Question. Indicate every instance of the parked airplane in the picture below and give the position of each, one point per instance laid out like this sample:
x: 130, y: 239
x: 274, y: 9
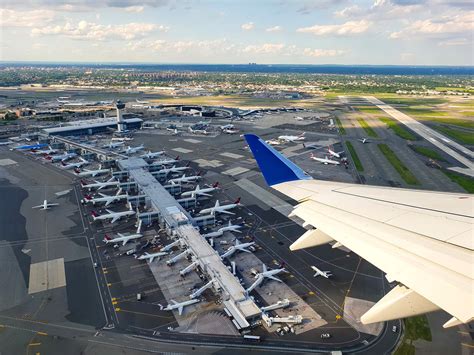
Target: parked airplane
x: 185, y: 179
x: 228, y: 228
x: 198, y: 131
x: 74, y: 165
x: 201, y: 192
x: 45, y: 205
x: 179, y: 305
x: 434, y: 271
x: 167, y: 161
x: 221, y: 209
x: 31, y: 147
x: 265, y: 274
x: 132, y: 150
x: 152, y: 155
x: 227, y: 126
x: 106, y: 198
x: 326, y: 274
x: 363, y: 140
x: 324, y: 160
x: 112, y: 216
x: 230, y: 131
x: 124, y: 239
x: 100, y: 185
x: 6, y: 143
x: 335, y: 154
x: 113, y: 145
x: 292, y: 139
x: 238, y: 246
x: 48, y: 151
x: 273, y: 142
x: 61, y: 157
x: 173, y: 169
x: 151, y: 256
x: 92, y: 173
x: 311, y: 146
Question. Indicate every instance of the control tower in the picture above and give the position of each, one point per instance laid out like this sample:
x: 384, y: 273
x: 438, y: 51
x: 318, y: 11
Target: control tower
x: 120, y: 122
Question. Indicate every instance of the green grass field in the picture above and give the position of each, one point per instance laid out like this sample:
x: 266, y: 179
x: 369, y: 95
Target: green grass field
x: 415, y: 328
x: 427, y: 152
x: 369, y: 109
x: 370, y: 132
x: 342, y: 130
x: 458, y: 135
x: 404, y: 172
x: 398, y: 129
x: 466, y: 182
x: 355, y: 157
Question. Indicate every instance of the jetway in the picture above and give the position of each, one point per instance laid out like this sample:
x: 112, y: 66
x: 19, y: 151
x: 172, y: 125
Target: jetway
x: 280, y: 304
x: 178, y: 257
x: 200, y: 290
x: 189, y: 268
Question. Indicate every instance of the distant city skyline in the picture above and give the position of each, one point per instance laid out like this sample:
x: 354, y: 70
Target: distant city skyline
x: 377, y: 32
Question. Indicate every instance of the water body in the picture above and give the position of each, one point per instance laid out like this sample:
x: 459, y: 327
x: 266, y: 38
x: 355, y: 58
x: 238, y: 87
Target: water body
x: 271, y: 68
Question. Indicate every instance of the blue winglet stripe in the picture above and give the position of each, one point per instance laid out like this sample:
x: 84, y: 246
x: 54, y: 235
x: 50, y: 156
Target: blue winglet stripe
x: 274, y: 166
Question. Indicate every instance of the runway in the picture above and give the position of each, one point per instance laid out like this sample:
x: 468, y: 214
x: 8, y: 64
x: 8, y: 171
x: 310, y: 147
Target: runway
x: 429, y: 134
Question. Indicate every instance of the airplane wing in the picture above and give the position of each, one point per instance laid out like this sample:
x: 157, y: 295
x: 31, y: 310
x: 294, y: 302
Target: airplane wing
x: 39, y: 206
x: 125, y: 241
x: 180, y: 310
x: 274, y: 278
x: 114, y: 219
x: 226, y: 212
x: 202, y: 194
x: 422, y: 239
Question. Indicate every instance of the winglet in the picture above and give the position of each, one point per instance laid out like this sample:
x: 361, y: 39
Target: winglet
x: 274, y: 166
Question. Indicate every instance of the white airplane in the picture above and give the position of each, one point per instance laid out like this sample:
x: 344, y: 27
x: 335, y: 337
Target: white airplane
x: 335, y: 154
x: 99, y: 185
x: 198, y: 131
x: 6, y: 143
x: 45, y: 205
x: 151, y: 256
x: 124, y: 239
x: 106, y: 198
x: 74, y: 165
x: 113, y: 145
x: 92, y: 173
x: 230, y: 131
x: 292, y: 139
x: 311, y: 146
x: 173, y: 169
x: 421, y: 239
x: 273, y: 142
x: 142, y: 101
x: 229, y: 228
x: 167, y: 161
x: 121, y: 139
x: 131, y: 150
x: 220, y: 209
x: 319, y: 272
x: 43, y: 151
x: 299, y: 118
x: 324, y: 160
x: 185, y: 179
x: 265, y: 274
x: 112, y: 216
x: 227, y: 126
x: 363, y: 140
x: 201, y: 192
x: 178, y: 305
x: 238, y: 246
x: 61, y: 157
x: 152, y: 155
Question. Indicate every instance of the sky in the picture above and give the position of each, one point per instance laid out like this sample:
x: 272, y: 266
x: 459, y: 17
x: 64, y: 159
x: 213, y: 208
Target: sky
x: 374, y: 32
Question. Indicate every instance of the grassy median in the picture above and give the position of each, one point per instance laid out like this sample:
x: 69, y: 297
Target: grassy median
x: 355, y: 157
x: 427, y: 152
x: 405, y: 174
x: 466, y: 182
x: 415, y: 328
x: 342, y: 130
x: 398, y: 129
x: 370, y: 132
x: 463, y: 137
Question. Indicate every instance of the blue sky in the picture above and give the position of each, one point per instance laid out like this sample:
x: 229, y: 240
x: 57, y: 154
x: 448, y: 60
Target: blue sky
x: 419, y: 32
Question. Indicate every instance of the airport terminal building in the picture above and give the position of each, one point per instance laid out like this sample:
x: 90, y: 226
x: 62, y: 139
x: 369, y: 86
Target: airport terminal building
x: 94, y: 126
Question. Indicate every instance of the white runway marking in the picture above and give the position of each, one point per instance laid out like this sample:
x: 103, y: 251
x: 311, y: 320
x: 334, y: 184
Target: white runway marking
x: 235, y: 171
x: 182, y: 150
x: 231, y: 155
x: 191, y: 140
x: 47, y: 275
x: 5, y: 162
x: 211, y: 163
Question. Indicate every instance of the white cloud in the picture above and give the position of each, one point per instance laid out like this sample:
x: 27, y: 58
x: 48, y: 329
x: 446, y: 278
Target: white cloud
x: 136, y: 9
x: 266, y: 48
x: 407, y: 57
x: 273, y: 29
x: 308, y: 52
x: 454, y: 42
x: 438, y: 27
x: 348, y: 28
x: 12, y: 18
x: 248, y: 26
x: 206, y: 47
x: 93, y: 31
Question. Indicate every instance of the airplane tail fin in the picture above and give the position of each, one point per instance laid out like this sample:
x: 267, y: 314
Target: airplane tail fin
x: 94, y: 215
x: 274, y: 166
x: 83, y: 183
x: 216, y: 185
x: 237, y: 202
x: 107, y: 238
x: 177, y: 158
x: 77, y: 170
x: 88, y: 197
